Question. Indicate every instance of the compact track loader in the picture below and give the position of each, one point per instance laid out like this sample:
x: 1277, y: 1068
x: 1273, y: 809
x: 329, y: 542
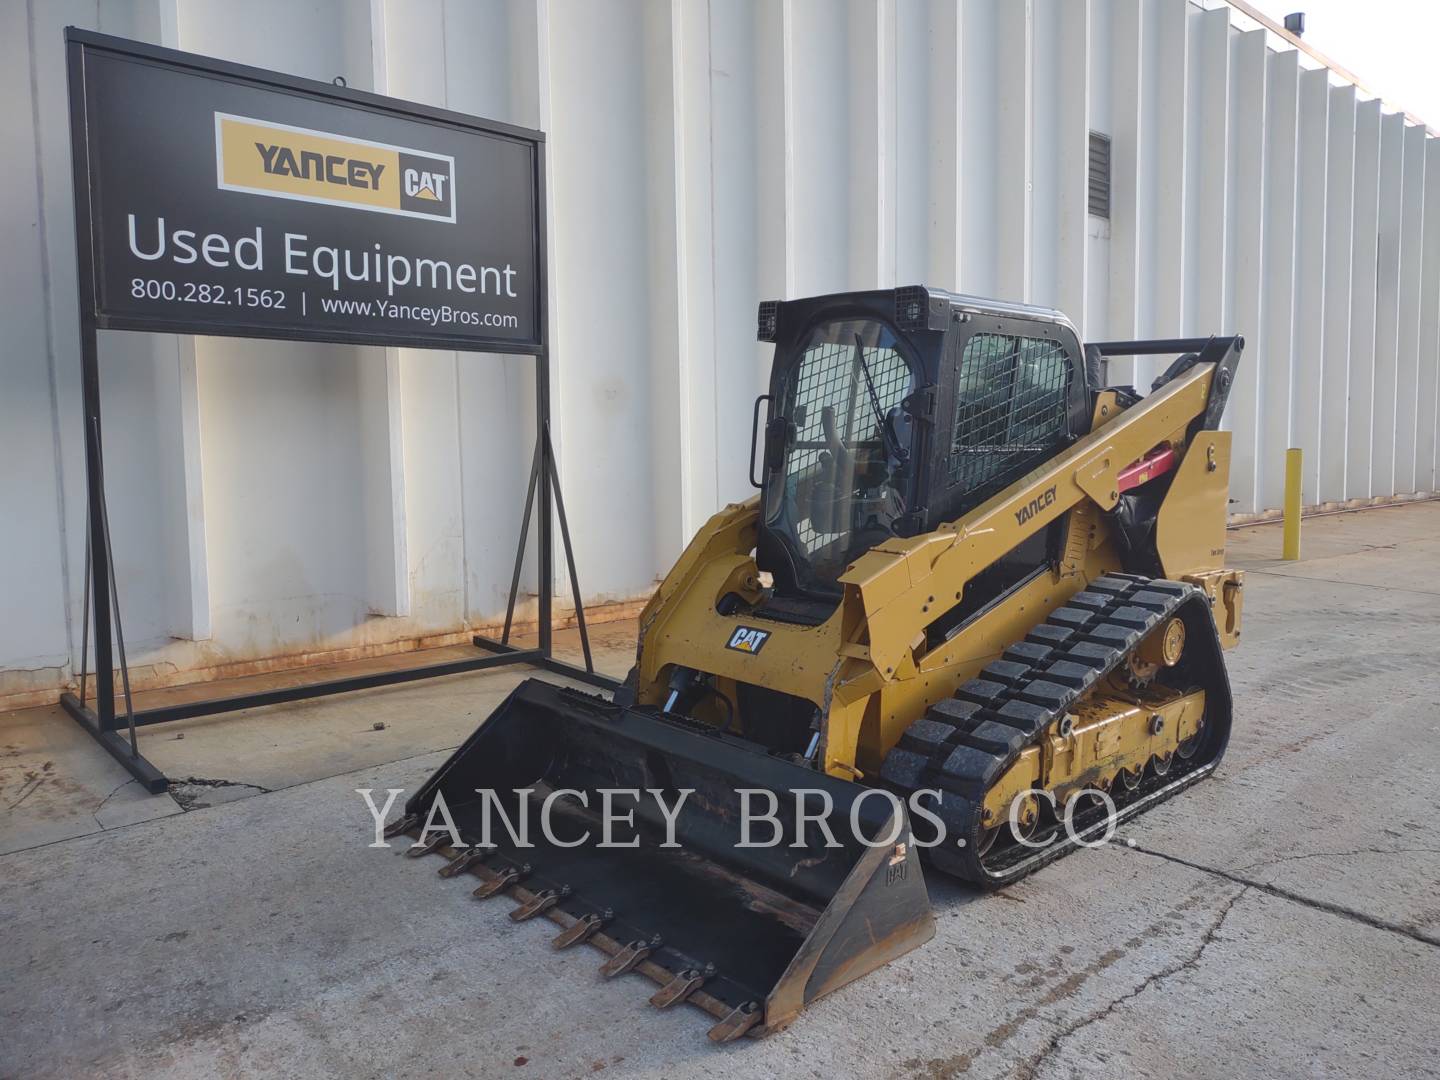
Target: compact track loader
x: 974, y: 617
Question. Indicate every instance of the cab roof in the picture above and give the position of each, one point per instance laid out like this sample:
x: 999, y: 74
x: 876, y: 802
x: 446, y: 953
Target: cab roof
x: 914, y: 307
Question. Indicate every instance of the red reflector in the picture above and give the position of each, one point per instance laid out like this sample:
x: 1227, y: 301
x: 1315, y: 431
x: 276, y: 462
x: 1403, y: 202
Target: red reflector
x: 1156, y: 463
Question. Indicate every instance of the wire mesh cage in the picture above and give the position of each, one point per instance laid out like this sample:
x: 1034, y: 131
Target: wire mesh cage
x: 1010, y: 407
x: 833, y: 375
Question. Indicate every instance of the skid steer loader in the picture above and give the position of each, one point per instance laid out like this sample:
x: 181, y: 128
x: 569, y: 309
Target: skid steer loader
x: 973, y: 618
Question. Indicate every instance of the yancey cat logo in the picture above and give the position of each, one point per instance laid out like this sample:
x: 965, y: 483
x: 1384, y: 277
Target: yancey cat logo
x: 284, y: 162
x: 747, y: 639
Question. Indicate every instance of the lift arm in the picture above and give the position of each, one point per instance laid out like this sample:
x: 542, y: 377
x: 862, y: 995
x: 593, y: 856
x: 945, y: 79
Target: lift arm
x: 905, y: 583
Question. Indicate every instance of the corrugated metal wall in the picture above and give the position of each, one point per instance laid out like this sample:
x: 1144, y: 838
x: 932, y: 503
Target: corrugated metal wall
x: 272, y: 499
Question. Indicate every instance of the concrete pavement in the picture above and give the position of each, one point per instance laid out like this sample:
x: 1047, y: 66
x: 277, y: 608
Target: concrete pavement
x: 1281, y: 919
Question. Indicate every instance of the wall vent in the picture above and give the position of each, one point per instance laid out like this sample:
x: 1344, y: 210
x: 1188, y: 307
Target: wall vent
x: 1099, y: 174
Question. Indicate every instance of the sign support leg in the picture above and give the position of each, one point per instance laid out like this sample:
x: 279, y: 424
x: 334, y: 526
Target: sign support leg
x: 569, y: 551
x: 535, y: 470
x: 547, y: 540
x: 101, y: 722
x: 545, y: 489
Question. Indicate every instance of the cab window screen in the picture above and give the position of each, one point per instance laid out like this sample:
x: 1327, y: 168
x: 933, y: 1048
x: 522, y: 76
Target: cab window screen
x: 1010, y: 409
x: 842, y: 482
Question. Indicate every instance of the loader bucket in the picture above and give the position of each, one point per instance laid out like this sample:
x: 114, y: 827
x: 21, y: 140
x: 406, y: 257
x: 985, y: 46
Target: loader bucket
x: 750, y: 934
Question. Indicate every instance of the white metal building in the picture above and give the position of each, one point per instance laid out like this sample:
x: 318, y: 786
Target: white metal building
x: 273, y: 501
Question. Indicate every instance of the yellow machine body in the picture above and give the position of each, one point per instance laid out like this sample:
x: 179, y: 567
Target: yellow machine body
x: 868, y: 667
x: 883, y: 642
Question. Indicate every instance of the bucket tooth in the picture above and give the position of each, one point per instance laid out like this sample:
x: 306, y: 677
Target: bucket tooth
x: 401, y: 825
x: 681, y: 987
x: 502, y: 881
x: 463, y: 862
x: 582, y: 929
x: 540, y: 903
x: 741, y: 1019
x: 435, y: 843
x: 626, y: 959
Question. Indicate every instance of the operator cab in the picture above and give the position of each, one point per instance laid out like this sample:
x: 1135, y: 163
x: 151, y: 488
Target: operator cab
x: 893, y: 411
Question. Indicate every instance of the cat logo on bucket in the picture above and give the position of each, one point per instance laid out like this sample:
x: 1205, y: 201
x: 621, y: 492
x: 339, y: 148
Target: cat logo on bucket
x: 284, y: 162
x: 747, y: 639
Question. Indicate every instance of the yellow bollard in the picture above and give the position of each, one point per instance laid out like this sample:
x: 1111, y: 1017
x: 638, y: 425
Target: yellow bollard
x: 1293, y: 468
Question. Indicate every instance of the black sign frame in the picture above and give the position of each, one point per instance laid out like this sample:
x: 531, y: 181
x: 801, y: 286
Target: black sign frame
x: 543, y: 496
x: 80, y: 43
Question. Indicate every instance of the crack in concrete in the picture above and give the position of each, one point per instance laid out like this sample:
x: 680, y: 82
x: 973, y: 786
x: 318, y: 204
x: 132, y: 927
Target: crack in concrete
x: 1030, y: 1069
x: 1372, y: 921
x: 1337, y: 581
x: 114, y: 791
x: 377, y: 779
x: 188, y: 802
x: 1042, y: 1008
x: 1337, y: 855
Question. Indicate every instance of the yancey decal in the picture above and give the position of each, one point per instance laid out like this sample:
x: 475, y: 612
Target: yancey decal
x: 1034, y: 506
x: 747, y: 639
x: 286, y: 162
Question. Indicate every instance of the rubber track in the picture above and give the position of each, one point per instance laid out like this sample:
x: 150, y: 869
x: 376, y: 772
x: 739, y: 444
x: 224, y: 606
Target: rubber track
x: 964, y: 744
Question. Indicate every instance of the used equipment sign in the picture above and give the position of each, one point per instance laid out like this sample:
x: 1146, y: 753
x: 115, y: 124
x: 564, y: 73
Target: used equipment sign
x: 229, y: 200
